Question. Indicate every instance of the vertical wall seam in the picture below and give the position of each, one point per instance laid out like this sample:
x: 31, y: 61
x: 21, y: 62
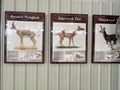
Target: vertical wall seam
x: 60, y: 6
x: 69, y: 76
x: 101, y: 4
x: 91, y: 4
x: 111, y: 12
x: 111, y: 8
x: 37, y: 5
x: 0, y: 43
x: 70, y: 6
x: 26, y: 4
x: 25, y: 77
x: 14, y: 64
x: 80, y: 78
x: 48, y: 45
x: 59, y: 65
x: 14, y: 77
x: 69, y: 64
x: 36, y: 77
x: 2, y: 9
x: 58, y: 78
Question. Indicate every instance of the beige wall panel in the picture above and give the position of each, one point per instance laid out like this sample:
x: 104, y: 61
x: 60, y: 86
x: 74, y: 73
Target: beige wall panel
x: 41, y: 80
x: 65, y: 6
x: 42, y: 69
x: 30, y: 77
x: 19, y: 77
x: 85, y: 77
x: 96, y: 7
x: 118, y: 77
x: 64, y: 77
x: 74, y: 77
x: 8, y: 77
x: 32, y: 5
x: 76, y: 6
x: 106, y: 8
x: 19, y: 3
x: 105, y: 77
x: 7, y: 69
x: 114, y: 77
x: 8, y: 5
x: 116, y: 8
x: 86, y: 7
x: 53, y: 68
x: 53, y: 77
x: 95, y: 77
x: 54, y: 6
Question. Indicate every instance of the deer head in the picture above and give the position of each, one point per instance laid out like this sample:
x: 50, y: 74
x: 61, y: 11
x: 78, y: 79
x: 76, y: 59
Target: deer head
x: 13, y: 26
x: 102, y: 29
x: 80, y: 28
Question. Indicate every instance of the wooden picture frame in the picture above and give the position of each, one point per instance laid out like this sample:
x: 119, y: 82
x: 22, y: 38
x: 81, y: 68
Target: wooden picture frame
x: 68, y: 38
x: 106, y: 48
x: 24, y: 37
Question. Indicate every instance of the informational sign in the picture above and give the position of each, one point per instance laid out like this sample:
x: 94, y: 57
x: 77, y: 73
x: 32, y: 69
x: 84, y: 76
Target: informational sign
x: 69, y: 38
x: 24, y: 37
x: 106, y: 45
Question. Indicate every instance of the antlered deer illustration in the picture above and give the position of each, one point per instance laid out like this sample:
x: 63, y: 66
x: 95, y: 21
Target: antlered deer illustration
x: 109, y: 38
x: 24, y: 33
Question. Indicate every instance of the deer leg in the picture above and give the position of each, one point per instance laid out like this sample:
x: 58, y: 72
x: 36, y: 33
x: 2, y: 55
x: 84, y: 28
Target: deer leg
x: 21, y: 41
x: 118, y: 54
x: 69, y: 42
x: 114, y: 41
x: 72, y: 41
x: 106, y: 42
x: 33, y: 40
x: 111, y: 45
x: 61, y: 40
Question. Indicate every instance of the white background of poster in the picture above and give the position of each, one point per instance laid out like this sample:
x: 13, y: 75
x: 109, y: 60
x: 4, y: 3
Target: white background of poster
x: 79, y: 39
x: 100, y: 42
x: 13, y: 38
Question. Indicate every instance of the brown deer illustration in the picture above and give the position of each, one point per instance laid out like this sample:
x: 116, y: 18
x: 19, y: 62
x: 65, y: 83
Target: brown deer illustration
x: 108, y: 38
x: 24, y: 33
x: 70, y: 36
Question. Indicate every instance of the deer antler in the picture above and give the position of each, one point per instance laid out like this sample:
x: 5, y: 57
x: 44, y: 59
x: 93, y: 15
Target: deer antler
x: 101, y: 26
x: 13, y: 26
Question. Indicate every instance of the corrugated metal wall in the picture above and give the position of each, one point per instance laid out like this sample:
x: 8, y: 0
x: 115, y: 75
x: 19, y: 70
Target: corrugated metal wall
x: 64, y: 76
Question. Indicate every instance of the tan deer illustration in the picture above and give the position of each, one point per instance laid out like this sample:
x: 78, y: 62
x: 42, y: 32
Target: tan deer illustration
x: 24, y: 33
x: 70, y: 36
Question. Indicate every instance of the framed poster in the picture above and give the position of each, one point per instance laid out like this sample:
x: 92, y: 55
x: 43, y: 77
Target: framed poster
x: 106, y: 44
x: 24, y: 37
x: 69, y: 38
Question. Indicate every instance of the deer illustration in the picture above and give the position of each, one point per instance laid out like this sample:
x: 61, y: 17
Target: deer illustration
x: 109, y: 38
x: 24, y: 33
x: 70, y: 36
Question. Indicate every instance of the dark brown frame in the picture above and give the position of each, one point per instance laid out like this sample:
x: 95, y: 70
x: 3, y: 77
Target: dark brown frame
x: 82, y: 18
x: 102, y: 20
x: 21, y: 16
